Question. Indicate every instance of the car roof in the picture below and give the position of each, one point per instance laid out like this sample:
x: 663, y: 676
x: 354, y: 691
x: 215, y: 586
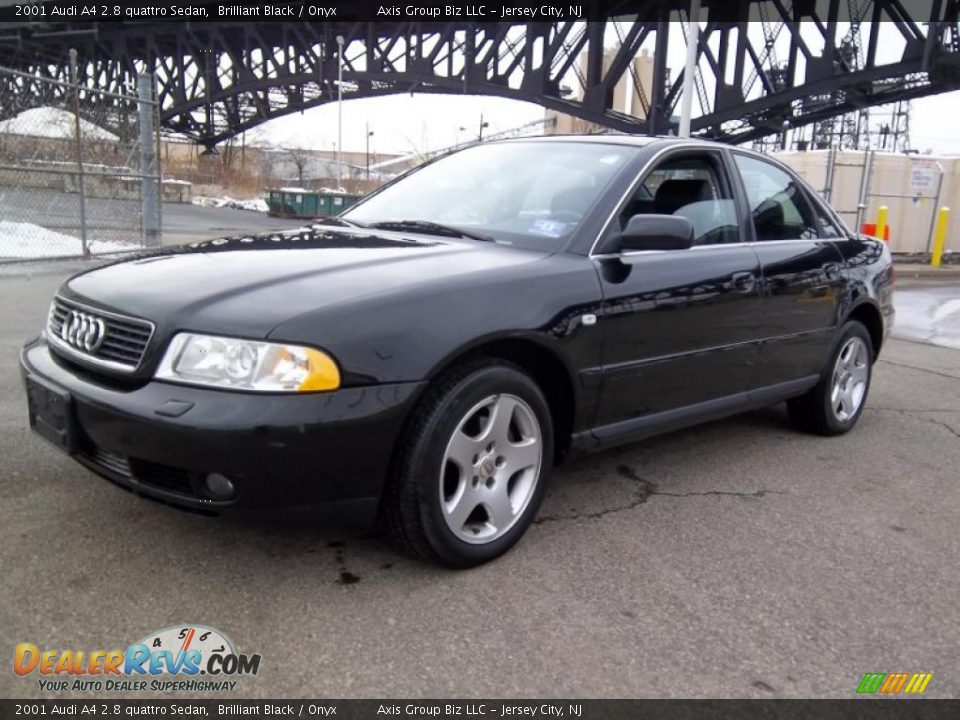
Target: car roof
x: 640, y: 141
x: 616, y: 139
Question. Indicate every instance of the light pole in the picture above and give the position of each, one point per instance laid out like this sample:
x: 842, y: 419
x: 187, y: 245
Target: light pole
x: 482, y: 126
x: 686, y: 100
x: 339, y: 112
x: 369, y: 135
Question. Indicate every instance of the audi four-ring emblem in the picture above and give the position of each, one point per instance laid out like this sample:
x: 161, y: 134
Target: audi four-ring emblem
x: 83, y: 331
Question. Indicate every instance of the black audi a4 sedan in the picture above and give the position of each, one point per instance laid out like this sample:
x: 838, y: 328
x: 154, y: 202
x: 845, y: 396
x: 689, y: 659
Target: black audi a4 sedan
x: 431, y: 354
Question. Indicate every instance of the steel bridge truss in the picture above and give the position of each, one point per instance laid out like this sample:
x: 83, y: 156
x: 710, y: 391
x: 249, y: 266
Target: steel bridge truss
x: 216, y: 80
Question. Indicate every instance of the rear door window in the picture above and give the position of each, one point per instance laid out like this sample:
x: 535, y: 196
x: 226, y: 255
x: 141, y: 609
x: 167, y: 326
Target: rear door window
x: 779, y: 208
x: 825, y: 224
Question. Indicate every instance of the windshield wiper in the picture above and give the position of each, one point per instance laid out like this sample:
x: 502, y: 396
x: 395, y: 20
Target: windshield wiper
x: 431, y: 228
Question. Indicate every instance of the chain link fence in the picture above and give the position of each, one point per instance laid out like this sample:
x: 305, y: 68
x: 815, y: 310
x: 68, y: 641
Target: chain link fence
x: 79, y: 169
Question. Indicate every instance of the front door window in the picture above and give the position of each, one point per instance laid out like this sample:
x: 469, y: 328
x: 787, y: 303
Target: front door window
x: 690, y: 187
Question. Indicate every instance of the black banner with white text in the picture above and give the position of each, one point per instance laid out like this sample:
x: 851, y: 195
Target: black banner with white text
x: 483, y: 709
x: 346, y: 11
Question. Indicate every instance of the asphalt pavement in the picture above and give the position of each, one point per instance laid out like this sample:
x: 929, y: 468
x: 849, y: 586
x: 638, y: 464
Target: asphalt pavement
x: 185, y: 223
x: 736, y: 559
x: 119, y: 220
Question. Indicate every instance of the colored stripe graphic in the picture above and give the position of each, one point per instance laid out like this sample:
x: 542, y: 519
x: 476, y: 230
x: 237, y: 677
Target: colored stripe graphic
x: 893, y: 683
x: 918, y: 682
x: 871, y: 682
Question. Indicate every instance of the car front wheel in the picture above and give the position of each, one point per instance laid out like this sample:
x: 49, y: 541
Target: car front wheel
x: 472, y: 466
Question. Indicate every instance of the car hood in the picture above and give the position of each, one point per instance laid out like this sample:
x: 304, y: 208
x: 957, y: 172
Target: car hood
x: 246, y: 286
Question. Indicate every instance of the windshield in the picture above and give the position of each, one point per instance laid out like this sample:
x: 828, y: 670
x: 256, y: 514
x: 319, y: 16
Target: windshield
x: 528, y: 194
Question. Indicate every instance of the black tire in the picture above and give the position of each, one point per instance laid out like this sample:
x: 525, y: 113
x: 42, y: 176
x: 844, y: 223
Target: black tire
x: 412, y: 502
x: 815, y: 411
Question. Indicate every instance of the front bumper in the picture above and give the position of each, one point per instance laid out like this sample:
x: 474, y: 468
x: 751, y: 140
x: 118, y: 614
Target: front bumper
x: 161, y: 440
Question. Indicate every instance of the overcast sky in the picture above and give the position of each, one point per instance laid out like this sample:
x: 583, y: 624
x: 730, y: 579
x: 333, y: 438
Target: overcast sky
x: 407, y: 123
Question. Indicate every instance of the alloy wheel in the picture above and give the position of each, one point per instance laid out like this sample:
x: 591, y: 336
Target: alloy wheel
x: 850, y: 375
x: 490, y: 468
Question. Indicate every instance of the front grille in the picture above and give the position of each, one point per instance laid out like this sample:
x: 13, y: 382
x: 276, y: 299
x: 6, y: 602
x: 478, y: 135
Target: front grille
x: 164, y: 477
x: 97, y: 336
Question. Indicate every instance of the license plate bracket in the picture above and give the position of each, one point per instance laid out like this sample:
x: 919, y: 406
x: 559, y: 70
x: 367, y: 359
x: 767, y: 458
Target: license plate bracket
x: 51, y: 414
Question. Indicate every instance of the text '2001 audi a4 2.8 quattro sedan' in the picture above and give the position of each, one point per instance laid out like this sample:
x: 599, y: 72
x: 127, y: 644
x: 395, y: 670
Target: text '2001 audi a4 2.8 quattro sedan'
x: 429, y: 355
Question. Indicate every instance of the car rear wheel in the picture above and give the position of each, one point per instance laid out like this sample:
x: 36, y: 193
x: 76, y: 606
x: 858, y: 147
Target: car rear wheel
x: 472, y: 466
x: 834, y: 405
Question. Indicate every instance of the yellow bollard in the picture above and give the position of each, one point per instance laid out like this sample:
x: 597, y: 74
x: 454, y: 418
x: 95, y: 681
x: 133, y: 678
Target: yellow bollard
x: 882, y: 222
x: 939, y: 237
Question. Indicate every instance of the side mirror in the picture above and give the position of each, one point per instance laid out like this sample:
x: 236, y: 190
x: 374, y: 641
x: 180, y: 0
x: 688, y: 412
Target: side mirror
x: 652, y: 232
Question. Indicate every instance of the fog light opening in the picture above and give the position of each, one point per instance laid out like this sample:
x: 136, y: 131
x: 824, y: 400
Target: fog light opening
x: 220, y: 487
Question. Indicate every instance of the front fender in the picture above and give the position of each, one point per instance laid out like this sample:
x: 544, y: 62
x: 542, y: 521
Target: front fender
x: 407, y: 336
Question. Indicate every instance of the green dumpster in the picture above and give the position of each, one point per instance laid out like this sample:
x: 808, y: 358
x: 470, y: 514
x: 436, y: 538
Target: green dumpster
x: 301, y: 203
x: 334, y: 203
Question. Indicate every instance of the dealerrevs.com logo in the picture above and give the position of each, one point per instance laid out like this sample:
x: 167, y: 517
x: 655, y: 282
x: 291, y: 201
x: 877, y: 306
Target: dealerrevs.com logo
x: 189, y: 658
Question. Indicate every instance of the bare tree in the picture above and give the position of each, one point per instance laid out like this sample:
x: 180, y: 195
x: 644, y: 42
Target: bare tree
x: 299, y: 157
x: 228, y: 154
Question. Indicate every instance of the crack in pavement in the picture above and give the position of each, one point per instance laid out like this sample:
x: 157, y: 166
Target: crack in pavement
x: 916, y: 414
x: 943, y: 424
x: 914, y: 410
x: 921, y: 369
x: 645, y: 489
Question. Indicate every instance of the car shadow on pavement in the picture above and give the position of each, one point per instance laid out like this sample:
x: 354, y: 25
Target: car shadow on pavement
x: 588, y: 487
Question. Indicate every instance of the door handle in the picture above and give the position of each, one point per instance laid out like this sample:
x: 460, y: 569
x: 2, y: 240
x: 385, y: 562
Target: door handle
x: 744, y: 282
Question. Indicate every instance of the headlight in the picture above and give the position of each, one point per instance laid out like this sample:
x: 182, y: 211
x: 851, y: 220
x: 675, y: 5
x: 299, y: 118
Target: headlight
x: 247, y: 365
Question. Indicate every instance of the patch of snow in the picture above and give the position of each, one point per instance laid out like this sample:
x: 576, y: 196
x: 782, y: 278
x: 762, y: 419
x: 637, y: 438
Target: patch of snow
x: 255, y: 204
x: 165, y: 181
x: 323, y: 190
x: 927, y: 315
x: 51, y: 122
x: 25, y: 240
x: 178, y: 137
x: 70, y: 165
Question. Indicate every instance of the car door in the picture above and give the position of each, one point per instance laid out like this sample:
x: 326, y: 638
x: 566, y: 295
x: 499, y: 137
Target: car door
x: 679, y: 326
x: 802, y: 273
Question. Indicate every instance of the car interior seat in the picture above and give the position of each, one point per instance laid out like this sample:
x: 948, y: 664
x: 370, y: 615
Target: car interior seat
x: 769, y: 221
x: 674, y: 194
